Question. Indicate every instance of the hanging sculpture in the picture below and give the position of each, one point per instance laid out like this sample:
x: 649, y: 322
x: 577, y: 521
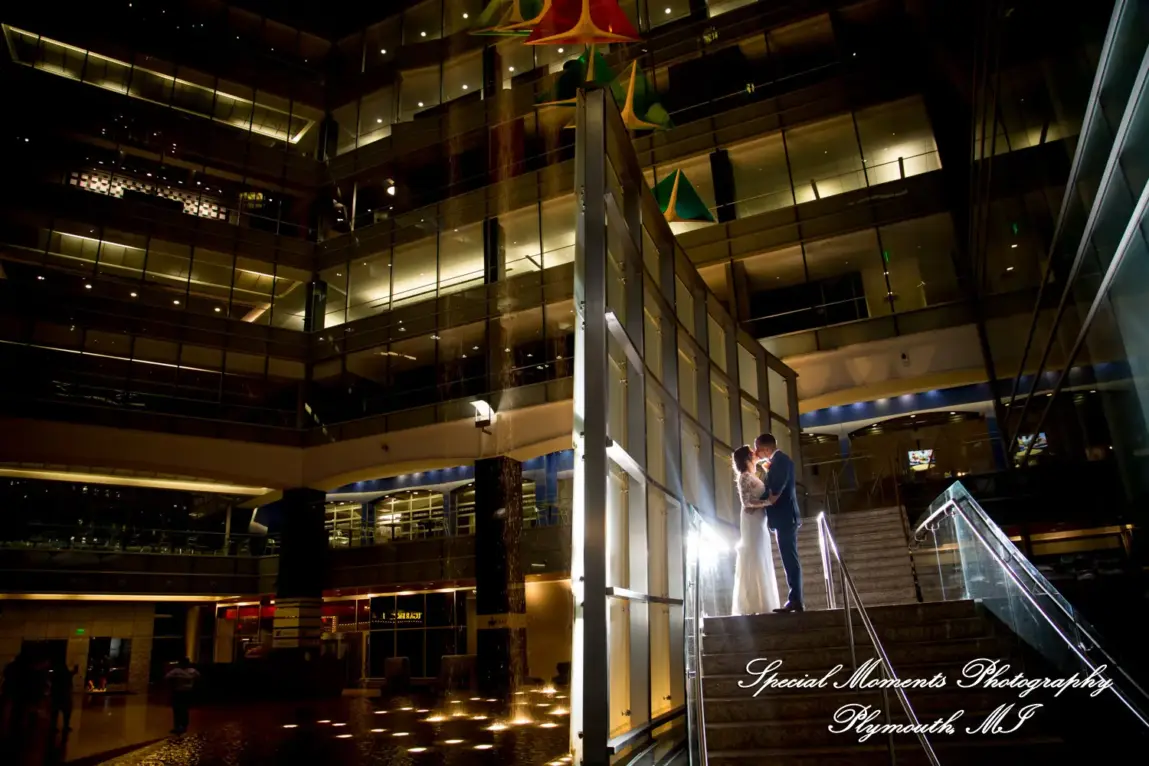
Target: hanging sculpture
x: 641, y: 109
x: 588, y: 69
x: 582, y: 22
x: 509, y: 18
x: 678, y: 200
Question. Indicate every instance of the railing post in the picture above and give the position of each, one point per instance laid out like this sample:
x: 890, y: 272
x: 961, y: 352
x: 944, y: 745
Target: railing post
x: 889, y: 721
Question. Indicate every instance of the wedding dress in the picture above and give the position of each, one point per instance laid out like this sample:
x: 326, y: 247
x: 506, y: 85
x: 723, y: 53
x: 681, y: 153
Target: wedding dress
x: 755, y: 588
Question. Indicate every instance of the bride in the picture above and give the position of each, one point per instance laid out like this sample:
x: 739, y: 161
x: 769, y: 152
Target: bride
x: 755, y: 589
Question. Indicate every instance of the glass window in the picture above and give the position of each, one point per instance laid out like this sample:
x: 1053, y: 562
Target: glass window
x: 692, y: 464
x: 650, y: 257
x: 720, y: 410
x: 747, y: 371
x: 761, y: 176
x: 684, y: 304
x: 617, y: 528
x: 515, y: 59
x: 687, y: 378
x: 459, y: 15
x: 779, y: 399
x: 382, y: 41
x: 751, y: 421
x: 376, y: 113
x: 897, y: 140
x: 655, y: 437
x: 211, y: 273
x: 717, y: 339
x: 824, y: 158
x: 423, y: 22
x: 252, y: 290
x: 725, y: 503
x: 289, y: 307
x: 418, y: 90
x: 519, y: 233
x: 414, y: 275
x: 74, y: 246
x: 335, y: 305
x: 652, y: 337
x: 801, y: 46
x: 346, y: 119
x: 919, y: 264
x: 369, y: 290
x: 460, y: 258
x: 781, y: 433
x: 168, y: 264
x: 463, y: 76
x: 122, y: 254
x: 558, y: 221
x: 851, y: 276
x: 665, y: 11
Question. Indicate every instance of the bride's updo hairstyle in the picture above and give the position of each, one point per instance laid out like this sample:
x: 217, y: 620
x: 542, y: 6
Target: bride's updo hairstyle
x: 743, y: 459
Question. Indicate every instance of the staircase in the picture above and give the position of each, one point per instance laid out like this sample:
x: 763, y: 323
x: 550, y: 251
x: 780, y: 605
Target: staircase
x: 872, y: 543
x: 790, y: 727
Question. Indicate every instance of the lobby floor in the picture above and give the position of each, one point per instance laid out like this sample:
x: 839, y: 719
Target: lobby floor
x: 133, y: 731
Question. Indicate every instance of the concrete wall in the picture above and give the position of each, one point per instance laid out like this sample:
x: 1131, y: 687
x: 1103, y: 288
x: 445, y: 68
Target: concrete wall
x: 54, y: 620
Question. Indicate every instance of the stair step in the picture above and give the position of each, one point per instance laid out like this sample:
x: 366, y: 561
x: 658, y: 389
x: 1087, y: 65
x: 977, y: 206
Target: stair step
x: 883, y: 615
x: 959, y: 628
x: 787, y: 704
x: 823, y: 658
x: 815, y: 732
x: 984, y: 752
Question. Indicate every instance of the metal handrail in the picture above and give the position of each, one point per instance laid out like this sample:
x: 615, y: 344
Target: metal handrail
x: 827, y: 546
x: 1038, y: 581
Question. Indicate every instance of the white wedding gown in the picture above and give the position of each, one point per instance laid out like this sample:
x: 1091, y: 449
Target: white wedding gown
x: 755, y: 588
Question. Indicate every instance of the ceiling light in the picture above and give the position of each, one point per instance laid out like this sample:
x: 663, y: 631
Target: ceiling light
x: 1013, y: 246
x: 422, y: 34
x: 510, y: 69
x: 383, y: 51
x: 40, y: 277
x: 464, y: 86
x: 483, y: 747
x: 560, y: 50
x: 379, y: 119
x: 465, y: 16
x: 1009, y: 268
x: 135, y: 295
x: 668, y: 11
x: 176, y: 301
x: 420, y: 103
x: 87, y: 287
x: 453, y: 741
x: 218, y: 309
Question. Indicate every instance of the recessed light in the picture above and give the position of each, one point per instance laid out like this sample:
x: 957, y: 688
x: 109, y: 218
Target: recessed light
x: 218, y: 309
x: 510, y: 69
x: 419, y: 749
x: 483, y: 747
x: 135, y: 295
x: 87, y: 287
x: 560, y: 50
x: 420, y: 103
x: 40, y: 277
x: 464, y: 86
x: 422, y: 34
x: 1009, y: 268
x: 465, y: 16
x: 667, y: 11
x: 453, y: 741
x: 1013, y: 246
x: 378, y: 119
x: 176, y: 301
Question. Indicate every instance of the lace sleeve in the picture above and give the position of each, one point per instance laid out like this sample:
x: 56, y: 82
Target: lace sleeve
x: 746, y: 493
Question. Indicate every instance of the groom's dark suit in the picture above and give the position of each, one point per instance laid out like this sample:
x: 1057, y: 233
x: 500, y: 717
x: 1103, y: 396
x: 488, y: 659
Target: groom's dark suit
x: 784, y: 518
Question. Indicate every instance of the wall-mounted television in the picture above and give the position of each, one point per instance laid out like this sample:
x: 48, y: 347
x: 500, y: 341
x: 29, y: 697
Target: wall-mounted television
x: 921, y: 459
x: 1039, y: 444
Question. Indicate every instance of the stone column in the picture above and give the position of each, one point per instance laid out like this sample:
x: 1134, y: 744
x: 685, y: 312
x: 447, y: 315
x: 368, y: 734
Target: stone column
x: 302, y: 568
x: 500, y: 608
x: 191, y: 632
x: 367, y: 524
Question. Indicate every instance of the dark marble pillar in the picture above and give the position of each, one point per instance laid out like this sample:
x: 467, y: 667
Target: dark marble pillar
x: 500, y: 595
x: 722, y: 171
x: 302, y: 569
x: 315, y: 309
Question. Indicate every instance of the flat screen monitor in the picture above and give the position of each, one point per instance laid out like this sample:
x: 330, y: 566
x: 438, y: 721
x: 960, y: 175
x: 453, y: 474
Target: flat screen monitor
x: 1039, y: 444
x: 921, y: 459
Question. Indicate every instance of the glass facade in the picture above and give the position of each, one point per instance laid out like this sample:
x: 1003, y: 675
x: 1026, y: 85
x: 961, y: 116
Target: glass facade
x: 656, y: 345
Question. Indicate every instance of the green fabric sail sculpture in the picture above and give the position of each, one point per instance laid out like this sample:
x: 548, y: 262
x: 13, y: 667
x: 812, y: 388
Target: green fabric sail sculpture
x: 507, y: 18
x: 678, y: 200
x: 590, y: 67
x: 641, y: 109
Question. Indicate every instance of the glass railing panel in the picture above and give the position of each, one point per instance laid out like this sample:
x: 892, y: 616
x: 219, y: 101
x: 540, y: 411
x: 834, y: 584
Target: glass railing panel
x: 961, y: 553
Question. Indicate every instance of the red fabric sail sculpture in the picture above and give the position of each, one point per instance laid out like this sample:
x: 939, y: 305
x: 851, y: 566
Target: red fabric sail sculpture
x: 582, y: 22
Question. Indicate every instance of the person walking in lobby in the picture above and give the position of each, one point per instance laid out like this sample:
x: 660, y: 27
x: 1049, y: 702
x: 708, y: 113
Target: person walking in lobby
x: 182, y: 680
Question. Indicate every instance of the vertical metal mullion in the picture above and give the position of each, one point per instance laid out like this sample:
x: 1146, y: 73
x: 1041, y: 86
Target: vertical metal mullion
x: 730, y: 334
x: 590, y: 691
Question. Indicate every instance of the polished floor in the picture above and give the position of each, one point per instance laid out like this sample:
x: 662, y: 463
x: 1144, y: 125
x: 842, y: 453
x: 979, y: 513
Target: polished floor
x: 531, y: 729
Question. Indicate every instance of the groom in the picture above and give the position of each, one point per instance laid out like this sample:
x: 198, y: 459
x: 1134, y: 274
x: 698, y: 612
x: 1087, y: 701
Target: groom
x: 782, y: 514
